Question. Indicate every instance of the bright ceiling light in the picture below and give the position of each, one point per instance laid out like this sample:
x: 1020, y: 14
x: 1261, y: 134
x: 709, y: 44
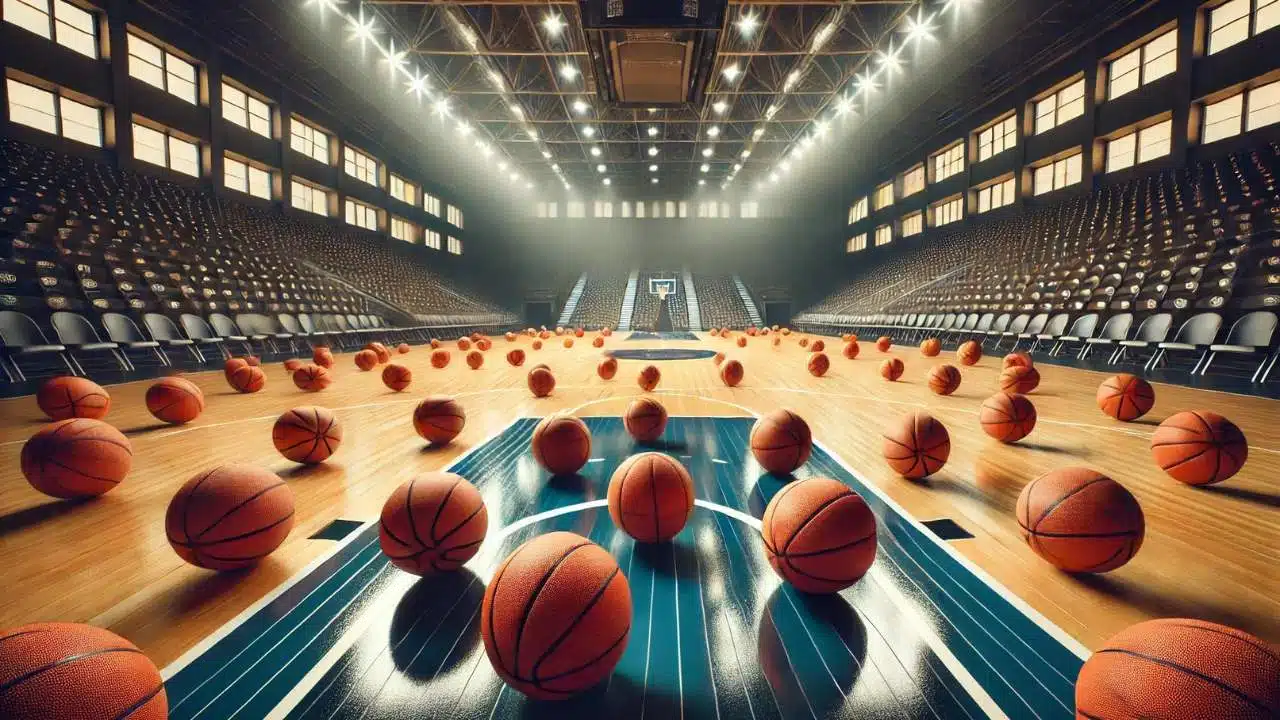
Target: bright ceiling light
x: 773, y: 177
x: 702, y: 181
x: 442, y: 107
x: 580, y: 107
x: 770, y: 111
x: 708, y: 152
x: 653, y: 131
x: 595, y: 151
x: 746, y: 154
x: 553, y: 23
x: 889, y: 60
x: 919, y: 27
x: 600, y: 168
x: 588, y: 131
x: 653, y: 110
x: 653, y: 150
x: 820, y: 38
x: 464, y: 129
x: 791, y: 81
x: 705, y: 167
x: 485, y: 150
x: 732, y: 72
x: 515, y: 177
x: 737, y: 167
x: 568, y: 71
x: 516, y: 110
x: 758, y: 132
x: 546, y: 155
x: 844, y: 106
x: 555, y: 166
x: 720, y: 106
x: 866, y: 82
x: 713, y: 131
x: 418, y: 85
x: 748, y: 23
x: 786, y: 166
x: 528, y: 186
x: 502, y: 166
x: 653, y: 168
x: 608, y: 181
x: 362, y: 29
x: 653, y: 181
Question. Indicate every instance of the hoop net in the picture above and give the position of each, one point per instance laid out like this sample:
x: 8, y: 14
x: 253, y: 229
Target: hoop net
x: 662, y: 294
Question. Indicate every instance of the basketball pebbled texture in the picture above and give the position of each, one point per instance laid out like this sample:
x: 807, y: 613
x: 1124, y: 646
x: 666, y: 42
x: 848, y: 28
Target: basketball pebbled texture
x: 944, y: 379
x: 731, y: 372
x: 1007, y: 417
x: 312, y: 378
x: 1080, y: 520
x: 917, y: 446
x: 69, y: 397
x: 541, y: 381
x: 77, y: 457
x: 1199, y: 447
x: 645, y: 419
x: 175, y: 400
x: 561, y: 444
x: 819, y: 535
x: 309, y: 434
x: 433, y: 523
x: 438, y: 419
x: 1125, y: 397
x: 651, y: 497
x: 229, y: 517
x: 781, y: 441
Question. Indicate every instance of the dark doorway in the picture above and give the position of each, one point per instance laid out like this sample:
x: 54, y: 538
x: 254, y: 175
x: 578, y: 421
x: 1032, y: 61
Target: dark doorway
x: 538, y: 314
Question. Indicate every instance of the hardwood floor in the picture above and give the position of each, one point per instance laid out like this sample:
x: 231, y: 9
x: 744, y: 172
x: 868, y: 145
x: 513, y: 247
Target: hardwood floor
x: 1209, y: 553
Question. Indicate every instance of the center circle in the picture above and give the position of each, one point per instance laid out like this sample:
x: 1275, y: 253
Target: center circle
x: 662, y: 354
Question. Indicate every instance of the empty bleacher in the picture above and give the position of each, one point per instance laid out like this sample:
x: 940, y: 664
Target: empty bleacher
x: 720, y: 302
x: 601, y: 301
x: 645, y: 316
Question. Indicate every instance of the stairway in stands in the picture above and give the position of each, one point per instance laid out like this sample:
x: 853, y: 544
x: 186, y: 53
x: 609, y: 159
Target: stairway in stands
x: 572, y: 303
x: 629, y: 301
x: 691, y: 299
x: 752, y: 311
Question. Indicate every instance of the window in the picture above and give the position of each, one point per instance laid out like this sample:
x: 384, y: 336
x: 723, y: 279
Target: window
x: 1155, y: 141
x: 948, y: 162
x: 359, y: 165
x: 1120, y: 152
x: 310, y: 198
x: 856, y: 243
x: 1142, y: 65
x: 995, y: 196
x: 166, y: 150
x: 402, y: 229
x: 54, y: 114
x: 575, y: 209
x: 884, y: 196
x: 1257, y: 108
x: 433, y: 239
x: 553, y: 210
x: 884, y: 235
x: 1222, y: 119
x: 431, y: 204
x: 160, y: 68
x: 455, y: 216
x: 309, y: 140
x: 639, y: 209
x: 245, y: 110
x: 998, y: 138
x: 403, y: 190
x: 684, y: 209
x: 1264, y: 106
x: 752, y: 209
x: 361, y: 215
x: 948, y: 211
x: 1064, y: 105
x: 913, y: 181
x: 455, y: 246
x: 858, y: 211
x: 243, y: 177
x: 602, y: 209
x: 72, y: 26
x: 1057, y: 174
x: 912, y: 224
x: 1228, y: 25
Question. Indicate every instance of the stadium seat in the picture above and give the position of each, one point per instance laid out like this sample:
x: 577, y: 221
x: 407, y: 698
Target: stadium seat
x: 1081, y: 330
x: 23, y: 338
x: 1250, y: 334
x: 167, y: 334
x: 79, y: 335
x: 124, y: 331
x: 199, y: 332
x: 1153, y: 330
x: 1113, y: 331
x: 1054, y: 328
x: 1195, y: 334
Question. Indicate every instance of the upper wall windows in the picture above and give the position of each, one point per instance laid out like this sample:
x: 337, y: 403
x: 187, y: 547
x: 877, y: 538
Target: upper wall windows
x: 1139, y: 146
x: 54, y: 114
x: 1233, y: 22
x: 996, y: 195
x: 858, y: 211
x: 67, y: 24
x: 1057, y: 174
x: 884, y: 196
x: 948, y: 162
x: 431, y: 204
x: 1143, y: 65
x: 1229, y: 117
x: 403, y: 190
x: 308, y: 197
x: 455, y: 216
x: 309, y: 140
x: 359, y: 165
x: 857, y: 243
x: 751, y: 209
x: 245, y: 110
x: 160, y: 68
x: 455, y: 246
x: 402, y: 229
x: 913, y: 181
x: 884, y: 235
x: 948, y: 211
x: 361, y: 215
x: 999, y: 137
x: 163, y: 148
x: 1061, y: 106
x: 912, y: 224
x: 249, y: 179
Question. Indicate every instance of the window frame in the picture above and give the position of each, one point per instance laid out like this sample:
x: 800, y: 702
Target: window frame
x: 362, y: 211
x: 360, y: 165
x: 1142, y: 62
x: 885, y: 237
x: 1056, y: 112
x: 947, y: 162
x: 1059, y: 171
x: 59, y: 114
x: 171, y: 138
x: 407, y: 188
x: 880, y: 202
x: 857, y: 243
x: 911, y: 224
x: 302, y: 131
x: 997, y: 134
x: 406, y: 227
x: 165, y: 69
x: 1008, y: 192
x: 915, y: 176
x: 313, y: 190
x: 245, y: 116
x: 54, y: 23
x: 949, y: 210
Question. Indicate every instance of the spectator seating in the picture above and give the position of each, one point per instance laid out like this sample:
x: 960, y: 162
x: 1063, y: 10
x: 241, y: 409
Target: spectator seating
x: 601, y: 301
x: 645, y: 314
x: 719, y: 302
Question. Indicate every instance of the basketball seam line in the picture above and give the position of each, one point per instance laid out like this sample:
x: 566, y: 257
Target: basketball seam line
x: 440, y: 508
x: 443, y: 550
x: 1265, y: 650
x: 653, y: 494
x: 108, y: 441
x: 1191, y: 457
x: 141, y: 703
x: 1054, y: 506
x: 14, y: 682
x: 228, y: 558
x: 251, y: 533
x: 237, y: 507
x: 811, y: 576
x: 1117, y: 533
x: 20, y: 634
x: 408, y: 509
x: 595, y: 598
x: 804, y: 523
x: 533, y: 598
x: 383, y: 526
x: 459, y: 526
x: 186, y: 505
x: 1194, y: 673
x: 824, y: 551
x: 77, y: 471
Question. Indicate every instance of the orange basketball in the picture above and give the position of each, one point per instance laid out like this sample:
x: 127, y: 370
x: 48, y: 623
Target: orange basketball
x: 804, y: 342
x: 969, y: 352
x: 917, y: 446
x: 742, y: 341
x: 292, y: 364
x: 175, y: 400
x: 69, y: 670
x: 818, y: 364
x: 649, y: 378
x: 75, y: 458
x: 537, y: 345
x: 930, y: 347
x: 607, y: 368
x: 944, y: 379
x: 1018, y: 358
x: 572, y: 637
x: 312, y: 378
x: 817, y: 346
x: 819, y: 535
x: 253, y: 360
x: 475, y: 336
x: 884, y: 343
x: 396, y: 377
x: 248, y: 379
x: 568, y: 342
x: 464, y: 344
x: 515, y: 357
x: 1080, y: 521
x: 1198, y: 447
x: 1007, y: 417
x: 777, y: 341
x: 541, y: 382
x: 781, y: 441
x: 322, y: 357
x: 544, y: 366
x: 718, y: 358
x: 68, y: 396
x: 229, y: 517
x: 1180, y: 669
x: 510, y: 336
x: 784, y: 331
x: 579, y: 332
x: 435, y: 344
x: 645, y: 419
x: 1020, y: 379
x: 850, y: 350
x: 366, y: 360
x: 731, y: 373
x: 439, y: 419
x: 440, y: 359
x: 651, y: 497
x: 403, y: 348
x: 1125, y: 397
x: 233, y: 364
x: 382, y: 353
x: 307, y: 434
x: 891, y: 369
x: 597, y: 342
x: 475, y: 359
x: 484, y: 344
x: 433, y: 523
x: 561, y: 444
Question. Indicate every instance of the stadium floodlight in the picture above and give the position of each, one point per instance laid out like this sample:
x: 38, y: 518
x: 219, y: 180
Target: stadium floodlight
x: 608, y: 181
x: 515, y: 177
x: 601, y: 168
x: 844, y: 105
x: 502, y: 166
x: 792, y: 78
x: 737, y: 167
x: 362, y: 29
x: 417, y: 85
x: 708, y: 152
x: 464, y: 129
x: 746, y: 154
x: 784, y: 166
x: 553, y: 24
x: 653, y: 181
x: 919, y: 27
x: 516, y: 110
x: 442, y: 107
x: 770, y: 111
x: 758, y: 132
x: 394, y: 60
x: 588, y: 131
x: 546, y: 154
x: 653, y: 150
x: 773, y: 177
x: 653, y: 131
x: 705, y: 167
x: 485, y: 150
x: 702, y: 181
x: 713, y: 131
x: 580, y: 106
x: 653, y: 168
x: 568, y: 71
x: 495, y: 77
x: 555, y: 167
x: 720, y: 106
x: 748, y: 23
x: 889, y: 60
x: 653, y: 110
x: 324, y: 5
x: 595, y: 151
x: 732, y: 72
x: 533, y: 134
x: 824, y: 33
x: 866, y: 82
x: 820, y: 128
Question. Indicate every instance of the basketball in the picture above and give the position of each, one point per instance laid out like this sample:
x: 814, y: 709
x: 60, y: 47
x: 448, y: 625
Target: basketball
x: 1125, y: 397
x: 777, y: 342
x: 1080, y: 521
x: 484, y: 344
x: 817, y: 346
x: 396, y: 377
x: 76, y: 458
x: 292, y: 364
x: 1007, y: 417
x: 574, y: 635
x: 248, y: 379
x: 312, y: 378
x: 366, y: 360
x: 917, y: 446
x: 541, y: 382
x: 651, y: 497
x: 69, y: 670
x: 649, y: 378
x: 381, y: 353
x: 440, y: 359
x: 607, y: 368
x: 742, y: 341
x: 804, y: 342
x: 438, y: 419
x: 884, y: 343
x: 969, y: 352
x: 718, y: 358
x: 944, y: 379
x: 850, y: 350
x: 175, y: 400
x: 403, y: 348
x: 322, y: 357
x: 1198, y: 447
x: 433, y: 523
x: 579, y: 332
x: 515, y: 357
x: 645, y: 419
x: 1019, y: 359
x: 891, y: 369
x: 464, y: 344
x: 307, y: 434
x: 930, y: 347
x: 435, y: 344
x: 475, y: 359
x: 73, y: 397
x: 229, y: 517
x: 1180, y: 669
x: 561, y: 443
x: 731, y: 373
x: 233, y: 364
x: 818, y: 364
x: 537, y: 345
x: 475, y: 336
x: 819, y: 535
x: 598, y: 342
x: 781, y: 441
x: 1020, y: 379
x: 568, y: 342
x: 253, y: 360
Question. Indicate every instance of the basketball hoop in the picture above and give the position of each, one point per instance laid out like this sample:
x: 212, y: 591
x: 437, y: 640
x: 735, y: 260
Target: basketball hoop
x: 662, y: 294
